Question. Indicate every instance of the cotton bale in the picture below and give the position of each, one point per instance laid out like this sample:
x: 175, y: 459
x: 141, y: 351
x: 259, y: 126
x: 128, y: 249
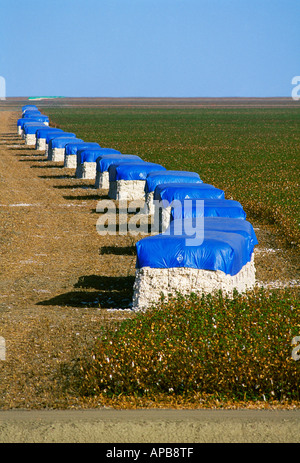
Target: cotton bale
x: 29, y: 107
x: 103, y: 163
x: 127, y: 180
x: 50, y: 136
x: 56, y: 150
x: 41, y: 135
x: 169, y: 176
x: 29, y: 131
x: 192, y: 201
x: 71, y: 149
x: 168, y: 263
x: 87, y: 161
x: 31, y: 113
x: 24, y: 120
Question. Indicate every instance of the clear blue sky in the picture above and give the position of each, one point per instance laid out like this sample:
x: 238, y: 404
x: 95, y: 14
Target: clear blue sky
x: 150, y: 48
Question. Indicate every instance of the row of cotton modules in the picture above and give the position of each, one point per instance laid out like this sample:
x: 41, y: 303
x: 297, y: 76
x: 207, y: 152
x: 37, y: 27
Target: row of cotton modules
x: 202, y: 242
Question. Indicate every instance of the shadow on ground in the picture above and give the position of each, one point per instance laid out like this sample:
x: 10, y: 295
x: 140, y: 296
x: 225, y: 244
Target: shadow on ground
x: 72, y: 186
x: 55, y: 176
x: 32, y: 158
x: 49, y: 166
x: 111, y: 292
x: 82, y: 197
x: 118, y: 251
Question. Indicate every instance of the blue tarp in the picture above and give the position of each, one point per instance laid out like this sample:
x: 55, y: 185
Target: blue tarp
x: 30, y: 107
x: 132, y: 170
x: 170, y: 176
x: 221, y: 224
x: 36, y: 125
x: 181, y: 191
x: 43, y: 131
x: 92, y: 155
x: 50, y: 136
x: 60, y: 142
x: 212, y: 208
x: 73, y: 147
x: 32, y: 128
x: 31, y: 114
x: 24, y: 120
x: 224, y: 251
x: 31, y: 123
x: 31, y: 110
x: 104, y: 162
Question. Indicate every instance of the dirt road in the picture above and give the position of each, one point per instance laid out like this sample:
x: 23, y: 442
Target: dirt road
x: 58, y: 276
x: 151, y: 426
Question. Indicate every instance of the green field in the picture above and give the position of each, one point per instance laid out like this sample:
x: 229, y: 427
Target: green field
x: 252, y: 154
x: 233, y: 350
x: 200, y: 347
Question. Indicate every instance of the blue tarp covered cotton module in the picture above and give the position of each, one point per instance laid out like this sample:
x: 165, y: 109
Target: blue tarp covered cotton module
x: 182, y: 191
x: 212, y: 208
x: 170, y: 176
x: 232, y: 225
x: 224, y: 251
x: 91, y: 155
x: 221, y: 224
x: 43, y: 131
x: 31, y: 128
x: 31, y: 114
x: 132, y: 170
x: 24, y: 120
x: 104, y: 162
x: 51, y: 135
x: 74, y: 146
x: 31, y: 107
x: 60, y: 142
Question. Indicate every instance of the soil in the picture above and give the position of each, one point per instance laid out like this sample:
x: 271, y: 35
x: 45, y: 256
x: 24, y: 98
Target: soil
x: 60, y: 280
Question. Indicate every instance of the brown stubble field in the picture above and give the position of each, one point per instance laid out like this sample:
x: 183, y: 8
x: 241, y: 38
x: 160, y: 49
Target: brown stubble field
x: 58, y: 276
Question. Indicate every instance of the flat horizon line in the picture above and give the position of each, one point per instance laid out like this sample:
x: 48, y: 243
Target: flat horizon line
x: 154, y: 97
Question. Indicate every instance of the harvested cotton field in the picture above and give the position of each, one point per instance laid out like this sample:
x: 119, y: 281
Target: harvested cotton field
x: 62, y: 282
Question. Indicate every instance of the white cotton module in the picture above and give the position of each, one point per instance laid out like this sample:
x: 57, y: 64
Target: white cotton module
x: 104, y: 161
x: 169, y: 263
x: 127, y: 180
x: 71, y: 149
x: 87, y: 161
x: 56, y: 146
